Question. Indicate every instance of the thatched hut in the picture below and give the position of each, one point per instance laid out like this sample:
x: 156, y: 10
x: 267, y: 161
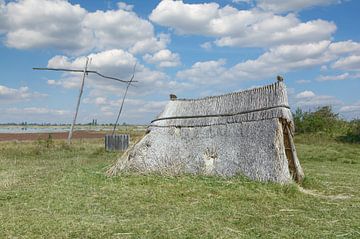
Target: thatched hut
x: 248, y: 132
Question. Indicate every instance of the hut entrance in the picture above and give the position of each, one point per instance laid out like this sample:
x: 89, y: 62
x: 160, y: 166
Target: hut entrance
x: 290, y: 151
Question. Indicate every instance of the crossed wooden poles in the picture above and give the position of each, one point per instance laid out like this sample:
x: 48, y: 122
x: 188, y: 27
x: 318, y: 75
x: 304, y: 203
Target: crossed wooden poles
x: 85, y: 73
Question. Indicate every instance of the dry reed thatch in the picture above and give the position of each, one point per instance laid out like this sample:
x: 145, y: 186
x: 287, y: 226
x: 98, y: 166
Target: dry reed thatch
x: 248, y: 132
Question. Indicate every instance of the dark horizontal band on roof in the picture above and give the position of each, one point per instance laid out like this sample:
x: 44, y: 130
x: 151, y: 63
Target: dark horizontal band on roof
x: 220, y: 115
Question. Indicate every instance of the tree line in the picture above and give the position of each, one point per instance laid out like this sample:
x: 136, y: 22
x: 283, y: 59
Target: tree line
x: 324, y: 120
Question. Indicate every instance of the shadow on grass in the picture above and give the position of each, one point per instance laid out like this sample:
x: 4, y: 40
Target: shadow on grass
x: 349, y: 138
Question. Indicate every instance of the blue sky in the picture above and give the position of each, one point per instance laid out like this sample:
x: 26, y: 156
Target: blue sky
x: 190, y: 48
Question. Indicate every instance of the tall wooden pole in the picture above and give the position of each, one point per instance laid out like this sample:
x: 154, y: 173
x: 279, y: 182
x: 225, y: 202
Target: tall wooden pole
x: 123, y: 100
x: 78, y: 103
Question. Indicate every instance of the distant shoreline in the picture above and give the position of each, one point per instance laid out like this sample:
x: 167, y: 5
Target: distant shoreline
x: 80, y: 134
x: 26, y: 129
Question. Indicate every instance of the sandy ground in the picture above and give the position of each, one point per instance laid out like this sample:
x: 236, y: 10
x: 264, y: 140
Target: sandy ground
x: 59, y: 135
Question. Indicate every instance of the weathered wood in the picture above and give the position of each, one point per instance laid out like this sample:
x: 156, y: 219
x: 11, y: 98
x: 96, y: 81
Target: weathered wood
x: 117, y: 142
x: 123, y: 100
x: 299, y: 173
x: 78, y: 103
x: 80, y: 71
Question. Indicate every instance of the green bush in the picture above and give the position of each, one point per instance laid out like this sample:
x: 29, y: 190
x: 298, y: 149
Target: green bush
x: 353, y: 132
x: 321, y: 120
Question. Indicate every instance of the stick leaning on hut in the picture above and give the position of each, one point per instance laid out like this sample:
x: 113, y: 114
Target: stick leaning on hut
x: 249, y: 132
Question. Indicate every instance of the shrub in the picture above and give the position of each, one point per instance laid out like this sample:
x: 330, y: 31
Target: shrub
x: 353, y: 133
x: 321, y: 120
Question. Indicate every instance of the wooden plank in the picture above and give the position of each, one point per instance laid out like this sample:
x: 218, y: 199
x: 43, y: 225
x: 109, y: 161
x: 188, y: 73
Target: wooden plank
x: 116, y: 142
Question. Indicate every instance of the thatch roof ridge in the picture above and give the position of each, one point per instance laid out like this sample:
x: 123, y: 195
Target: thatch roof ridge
x: 258, y: 99
x: 271, y: 87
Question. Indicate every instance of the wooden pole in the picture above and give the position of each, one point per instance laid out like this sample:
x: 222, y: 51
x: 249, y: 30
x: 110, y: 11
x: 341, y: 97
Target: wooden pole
x: 299, y: 173
x: 78, y: 103
x: 123, y: 100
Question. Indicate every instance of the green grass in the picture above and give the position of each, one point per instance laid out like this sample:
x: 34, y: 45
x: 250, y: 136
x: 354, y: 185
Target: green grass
x: 50, y: 190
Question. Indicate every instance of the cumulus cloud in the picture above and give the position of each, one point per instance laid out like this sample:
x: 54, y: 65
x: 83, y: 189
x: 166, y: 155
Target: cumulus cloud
x: 309, y: 99
x: 35, y: 114
x: 44, y: 23
x: 64, y: 26
x: 350, y: 108
x: 125, y: 6
x: 2, y: 16
x: 274, y: 31
x: 305, y: 94
x: 151, y: 45
x: 276, y: 60
x: 242, y: 1
x: 288, y: 57
x: 163, y: 58
x: 293, y: 5
x: 208, y: 72
x: 303, y: 81
x: 11, y: 95
x: 344, y: 76
x: 343, y: 47
x: 243, y: 28
x: 117, y: 29
x: 134, y: 108
x: 206, y: 45
x: 351, y: 63
x: 37, y: 111
x: 117, y: 63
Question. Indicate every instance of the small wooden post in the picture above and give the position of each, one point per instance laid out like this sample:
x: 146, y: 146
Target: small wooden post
x: 299, y: 173
x: 118, y: 142
x: 78, y: 103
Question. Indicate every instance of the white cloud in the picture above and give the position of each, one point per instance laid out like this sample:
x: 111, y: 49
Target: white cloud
x: 276, y: 60
x: 242, y: 1
x: 343, y: 47
x: 283, y: 59
x: 351, y: 63
x: 2, y: 16
x: 185, y: 18
x: 274, y: 31
x: 303, y: 81
x: 64, y: 26
x: 125, y: 6
x: 117, y: 29
x: 350, y: 108
x: 163, y: 58
x: 35, y: 114
x: 206, y: 45
x: 310, y: 99
x: 305, y: 94
x: 117, y: 63
x: 344, y: 76
x: 133, y: 108
x: 45, y: 23
x: 208, y: 72
x: 323, y: 68
x: 293, y: 5
x: 100, y: 101
x: 150, y: 45
x: 11, y: 95
x: 36, y: 111
x: 243, y: 28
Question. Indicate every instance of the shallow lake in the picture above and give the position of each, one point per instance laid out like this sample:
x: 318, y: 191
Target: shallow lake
x: 42, y: 129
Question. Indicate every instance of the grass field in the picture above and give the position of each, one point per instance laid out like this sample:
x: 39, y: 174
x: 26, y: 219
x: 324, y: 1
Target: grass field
x: 50, y: 190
